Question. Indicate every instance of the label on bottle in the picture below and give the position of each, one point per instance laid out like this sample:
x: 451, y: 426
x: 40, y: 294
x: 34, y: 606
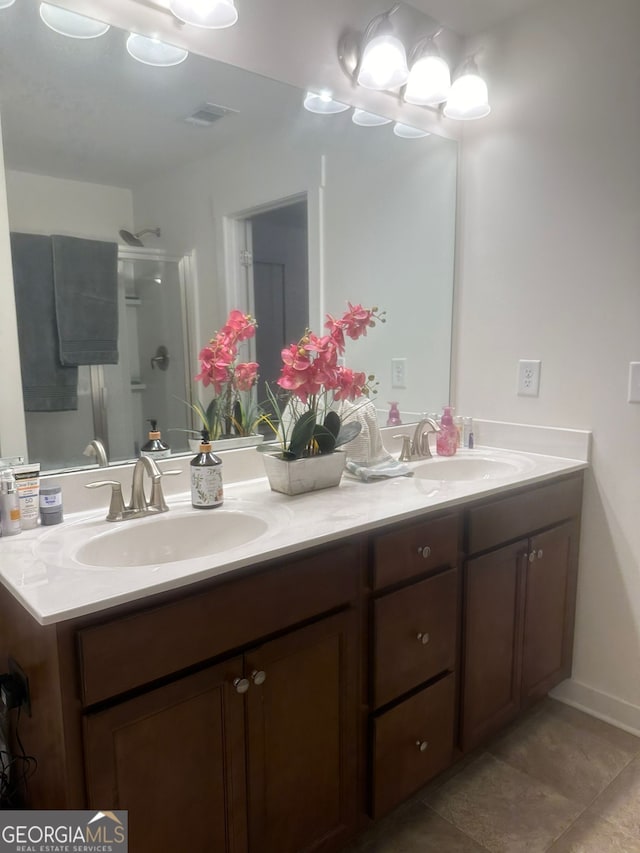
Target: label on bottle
x: 206, y: 486
x: 156, y: 454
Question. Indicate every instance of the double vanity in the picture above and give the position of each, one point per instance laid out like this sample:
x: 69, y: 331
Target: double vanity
x: 271, y: 675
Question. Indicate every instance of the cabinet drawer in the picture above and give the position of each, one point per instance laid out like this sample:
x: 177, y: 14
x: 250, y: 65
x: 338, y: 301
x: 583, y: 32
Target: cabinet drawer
x: 415, y: 632
x: 412, y: 550
x: 133, y: 650
x: 515, y: 517
x: 412, y: 743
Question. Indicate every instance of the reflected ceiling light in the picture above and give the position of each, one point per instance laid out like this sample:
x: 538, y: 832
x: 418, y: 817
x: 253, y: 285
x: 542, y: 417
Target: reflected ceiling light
x: 150, y: 51
x: 323, y: 104
x: 4, y: 4
x: 405, y: 131
x: 365, y: 119
x: 430, y: 78
x: 71, y: 24
x: 469, y: 98
x: 383, y: 60
x: 212, y: 14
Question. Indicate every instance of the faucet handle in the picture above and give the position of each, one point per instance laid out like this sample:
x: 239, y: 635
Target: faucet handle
x: 116, y: 505
x: 157, y: 500
x: 405, y: 453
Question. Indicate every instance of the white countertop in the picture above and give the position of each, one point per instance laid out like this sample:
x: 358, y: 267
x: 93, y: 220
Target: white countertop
x: 39, y: 568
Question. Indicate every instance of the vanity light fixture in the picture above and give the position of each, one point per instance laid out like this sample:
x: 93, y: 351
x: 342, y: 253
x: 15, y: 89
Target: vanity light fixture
x: 211, y: 14
x: 71, y: 24
x: 323, y: 104
x: 469, y: 97
x: 383, y: 59
x: 151, y: 51
x: 430, y: 78
x: 405, y: 131
x: 365, y: 119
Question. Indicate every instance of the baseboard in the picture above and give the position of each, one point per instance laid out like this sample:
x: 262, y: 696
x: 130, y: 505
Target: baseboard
x: 605, y: 707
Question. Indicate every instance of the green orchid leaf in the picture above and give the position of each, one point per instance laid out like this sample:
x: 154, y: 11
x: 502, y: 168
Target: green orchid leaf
x: 324, y: 438
x: 302, y: 433
x: 348, y: 433
x: 332, y: 423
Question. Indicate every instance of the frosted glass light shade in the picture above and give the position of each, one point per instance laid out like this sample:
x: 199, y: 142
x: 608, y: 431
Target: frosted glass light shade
x: 323, y: 104
x: 384, y: 64
x: 71, y: 24
x: 429, y: 82
x: 405, y: 131
x: 468, y: 99
x: 365, y: 119
x: 4, y: 4
x: 211, y: 14
x: 153, y: 52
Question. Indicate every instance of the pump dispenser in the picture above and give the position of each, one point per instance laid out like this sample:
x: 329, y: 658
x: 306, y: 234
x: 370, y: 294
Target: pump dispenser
x: 155, y: 447
x: 447, y: 438
x: 206, y: 476
x: 393, y: 418
x: 9, y: 506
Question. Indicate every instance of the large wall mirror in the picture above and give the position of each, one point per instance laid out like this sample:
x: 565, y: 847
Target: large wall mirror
x: 221, y: 165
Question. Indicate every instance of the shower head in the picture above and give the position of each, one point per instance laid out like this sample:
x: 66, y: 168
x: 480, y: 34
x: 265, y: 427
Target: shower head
x: 134, y: 239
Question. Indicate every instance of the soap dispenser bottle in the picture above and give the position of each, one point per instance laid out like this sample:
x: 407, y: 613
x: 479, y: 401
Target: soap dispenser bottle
x: 394, y: 415
x: 206, y: 476
x: 155, y: 447
x: 9, y: 505
x: 447, y: 438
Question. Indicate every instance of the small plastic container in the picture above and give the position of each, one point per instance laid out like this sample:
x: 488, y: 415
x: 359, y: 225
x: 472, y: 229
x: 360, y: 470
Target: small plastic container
x: 51, y: 504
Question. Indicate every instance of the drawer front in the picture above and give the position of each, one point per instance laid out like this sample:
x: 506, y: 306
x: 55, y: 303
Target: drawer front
x: 415, y: 549
x: 515, y: 517
x: 412, y: 743
x: 133, y: 650
x: 415, y: 631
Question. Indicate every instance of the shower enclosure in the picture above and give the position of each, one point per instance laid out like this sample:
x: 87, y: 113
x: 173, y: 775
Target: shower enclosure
x: 151, y: 380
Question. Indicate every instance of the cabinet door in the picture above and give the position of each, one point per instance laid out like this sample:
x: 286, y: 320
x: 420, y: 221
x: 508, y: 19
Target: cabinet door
x: 174, y: 757
x: 548, y: 614
x: 302, y: 738
x: 492, y: 641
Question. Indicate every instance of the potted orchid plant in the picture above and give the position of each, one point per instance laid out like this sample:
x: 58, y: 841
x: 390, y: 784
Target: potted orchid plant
x: 306, y: 421
x: 232, y: 412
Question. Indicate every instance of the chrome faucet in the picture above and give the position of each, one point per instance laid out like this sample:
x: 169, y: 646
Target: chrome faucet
x: 96, y: 448
x: 418, y: 446
x: 138, y: 506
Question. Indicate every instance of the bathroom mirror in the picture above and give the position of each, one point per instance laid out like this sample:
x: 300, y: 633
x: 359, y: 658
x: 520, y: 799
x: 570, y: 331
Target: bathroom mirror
x: 95, y: 142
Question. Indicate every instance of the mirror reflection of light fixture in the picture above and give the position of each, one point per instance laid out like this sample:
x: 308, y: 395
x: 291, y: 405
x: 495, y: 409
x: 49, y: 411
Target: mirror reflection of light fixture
x: 383, y: 59
x: 430, y: 78
x: 365, y: 119
x: 469, y: 98
x: 212, y: 14
x: 71, y: 24
x: 4, y: 4
x: 405, y: 131
x: 323, y: 104
x: 150, y: 51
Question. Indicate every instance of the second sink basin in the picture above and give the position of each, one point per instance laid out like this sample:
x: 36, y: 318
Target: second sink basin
x: 470, y: 468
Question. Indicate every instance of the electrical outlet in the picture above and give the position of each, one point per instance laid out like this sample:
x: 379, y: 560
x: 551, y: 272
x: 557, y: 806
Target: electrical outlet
x: 398, y: 372
x: 529, y: 378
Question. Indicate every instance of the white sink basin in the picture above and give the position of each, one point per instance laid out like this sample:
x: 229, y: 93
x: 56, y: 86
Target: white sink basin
x: 471, y: 468
x: 182, y: 535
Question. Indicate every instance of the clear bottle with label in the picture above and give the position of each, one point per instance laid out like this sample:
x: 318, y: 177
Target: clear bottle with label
x: 155, y: 447
x: 9, y: 504
x: 206, y: 477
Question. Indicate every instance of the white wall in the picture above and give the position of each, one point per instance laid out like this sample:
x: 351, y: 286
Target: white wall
x: 550, y: 269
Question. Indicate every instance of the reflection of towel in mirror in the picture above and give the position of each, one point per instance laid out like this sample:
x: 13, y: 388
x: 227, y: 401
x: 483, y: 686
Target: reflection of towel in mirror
x: 366, y: 457
x: 85, y: 275
x: 46, y: 385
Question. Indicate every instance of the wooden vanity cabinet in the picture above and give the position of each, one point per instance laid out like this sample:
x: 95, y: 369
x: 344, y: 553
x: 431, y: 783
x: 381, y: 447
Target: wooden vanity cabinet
x: 519, y: 604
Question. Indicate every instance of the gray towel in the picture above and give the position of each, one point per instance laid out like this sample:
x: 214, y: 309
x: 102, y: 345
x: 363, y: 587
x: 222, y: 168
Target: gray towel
x: 46, y: 385
x: 85, y: 277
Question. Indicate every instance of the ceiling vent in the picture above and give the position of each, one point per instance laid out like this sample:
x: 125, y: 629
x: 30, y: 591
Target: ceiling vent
x: 208, y: 114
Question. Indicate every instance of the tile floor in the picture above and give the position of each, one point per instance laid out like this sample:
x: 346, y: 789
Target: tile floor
x: 557, y: 780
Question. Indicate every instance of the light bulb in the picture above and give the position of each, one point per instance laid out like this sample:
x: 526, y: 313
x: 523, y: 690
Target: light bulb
x: 429, y: 82
x: 71, y: 24
x: 211, y: 14
x: 468, y: 99
x: 323, y: 104
x: 150, y: 51
x: 384, y: 64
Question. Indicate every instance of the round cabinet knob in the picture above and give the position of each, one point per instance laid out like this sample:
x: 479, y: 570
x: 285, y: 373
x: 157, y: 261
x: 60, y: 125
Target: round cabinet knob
x: 424, y: 551
x: 540, y: 554
x: 241, y: 685
x: 422, y: 745
x: 258, y: 676
x: 532, y: 556
x: 424, y: 638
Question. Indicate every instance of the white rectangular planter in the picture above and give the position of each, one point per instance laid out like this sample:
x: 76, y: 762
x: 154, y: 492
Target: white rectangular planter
x: 304, y: 475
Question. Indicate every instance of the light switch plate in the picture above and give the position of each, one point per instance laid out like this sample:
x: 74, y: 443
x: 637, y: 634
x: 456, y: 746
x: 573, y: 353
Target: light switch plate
x: 398, y: 372
x: 634, y: 382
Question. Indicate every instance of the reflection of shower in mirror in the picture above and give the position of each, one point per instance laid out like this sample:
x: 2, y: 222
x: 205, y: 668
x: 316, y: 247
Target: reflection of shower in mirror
x: 134, y: 239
